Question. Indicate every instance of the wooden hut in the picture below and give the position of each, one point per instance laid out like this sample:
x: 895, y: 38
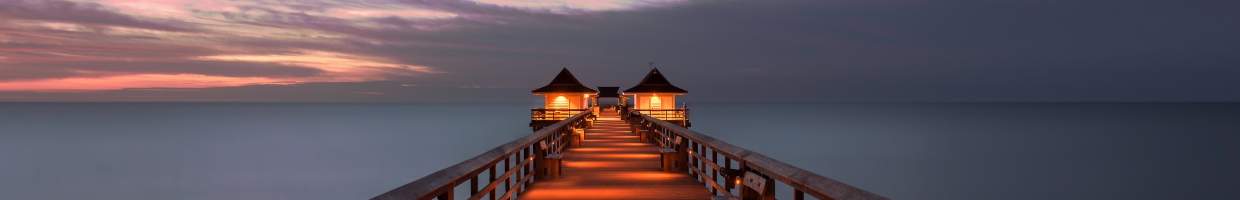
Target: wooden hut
x: 564, y: 97
x: 657, y: 97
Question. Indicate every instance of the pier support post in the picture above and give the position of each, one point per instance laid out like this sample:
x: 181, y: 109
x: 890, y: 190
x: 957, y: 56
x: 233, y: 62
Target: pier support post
x: 540, y: 160
x: 547, y: 162
x: 682, y: 152
x: 552, y: 166
x: 641, y: 135
x: 579, y: 137
x: 675, y: 157
x: 668, y: 158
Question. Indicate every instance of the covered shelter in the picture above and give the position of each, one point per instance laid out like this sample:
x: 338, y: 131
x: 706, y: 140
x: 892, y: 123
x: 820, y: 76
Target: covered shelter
x: 563, y: 97
x: 657, y: 97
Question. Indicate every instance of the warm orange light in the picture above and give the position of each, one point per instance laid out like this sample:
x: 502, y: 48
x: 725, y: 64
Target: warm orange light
x: 623, y: 156
x: 594, y: 164
x: 642, y: 176
x: 628, y: 144
x: 655, y: 103
x: 560, y: 102
x: 607, y: 149
x: 577, y: 193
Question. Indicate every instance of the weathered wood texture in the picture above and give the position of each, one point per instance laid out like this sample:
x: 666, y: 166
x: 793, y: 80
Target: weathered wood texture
x: 801, y: 180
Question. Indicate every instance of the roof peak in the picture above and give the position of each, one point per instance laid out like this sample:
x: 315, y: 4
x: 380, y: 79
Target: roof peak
x: 564, y: 82
x: 655, y: 82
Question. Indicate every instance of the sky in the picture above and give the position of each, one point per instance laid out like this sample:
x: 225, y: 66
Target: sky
x: 719, y: 50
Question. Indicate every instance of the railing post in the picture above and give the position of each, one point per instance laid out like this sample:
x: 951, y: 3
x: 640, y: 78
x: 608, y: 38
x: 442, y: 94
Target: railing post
x: 691, y: 159
x: 446, y: 195
x: 491, y: 180
x: 473, y: 185
x: 540, y: 167
x: 728, y: 184
x: 682, y: 150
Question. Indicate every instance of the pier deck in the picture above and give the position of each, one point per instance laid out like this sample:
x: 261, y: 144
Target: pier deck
x: 583, y: 150
x: 613, y: 163
x: 630, y: 155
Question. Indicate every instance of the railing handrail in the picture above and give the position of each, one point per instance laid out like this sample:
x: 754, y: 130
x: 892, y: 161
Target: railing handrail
x: 557, y: 109
x: 812, y: 183
x: 663, y: 109
x: 445, y: 180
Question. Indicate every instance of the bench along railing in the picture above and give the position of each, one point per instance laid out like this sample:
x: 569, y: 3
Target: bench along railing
x: 553, y: 114
x: 523, y: 161
x: 699, y: 154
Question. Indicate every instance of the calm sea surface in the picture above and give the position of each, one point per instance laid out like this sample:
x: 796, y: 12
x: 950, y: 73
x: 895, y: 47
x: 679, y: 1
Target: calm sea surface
x: 355, y: 151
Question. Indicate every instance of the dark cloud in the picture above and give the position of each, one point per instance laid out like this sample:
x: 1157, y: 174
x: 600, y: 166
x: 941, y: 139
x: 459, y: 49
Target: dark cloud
x: 884, y: 51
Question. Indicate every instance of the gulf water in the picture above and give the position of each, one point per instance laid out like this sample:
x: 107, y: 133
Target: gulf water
x: 355, y: 151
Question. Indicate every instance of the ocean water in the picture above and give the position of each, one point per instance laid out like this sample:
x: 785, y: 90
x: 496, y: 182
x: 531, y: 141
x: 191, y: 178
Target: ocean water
x: 355, y: 151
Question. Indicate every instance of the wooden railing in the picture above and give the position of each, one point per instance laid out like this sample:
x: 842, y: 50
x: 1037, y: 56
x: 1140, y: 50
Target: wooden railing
x: 522, y: 163
x: 754, y: 171
x: 666, y: 114
x: 553, y: 114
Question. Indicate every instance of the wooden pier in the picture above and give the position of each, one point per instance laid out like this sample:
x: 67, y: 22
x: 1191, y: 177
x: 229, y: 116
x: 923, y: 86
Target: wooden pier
x: 643, y: 150
x: 613, y: 163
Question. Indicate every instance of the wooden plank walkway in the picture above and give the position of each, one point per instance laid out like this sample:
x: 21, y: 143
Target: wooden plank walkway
x: 614, y: 164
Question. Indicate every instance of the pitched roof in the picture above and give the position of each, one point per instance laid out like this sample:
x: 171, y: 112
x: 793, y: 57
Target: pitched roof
x: 655, y: 82
x: 564, y: 82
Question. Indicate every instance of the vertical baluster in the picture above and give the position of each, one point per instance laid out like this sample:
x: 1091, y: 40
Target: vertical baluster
x: 727, y: 164
x: 446, y: 195
x: 521, y: 161
x: 689, y: 162
x: 798, y: 194
x: 491, y: 180
x: 507, y: 167
x: 697, y: 161
x: 473, y: 185
x: 525, y: 169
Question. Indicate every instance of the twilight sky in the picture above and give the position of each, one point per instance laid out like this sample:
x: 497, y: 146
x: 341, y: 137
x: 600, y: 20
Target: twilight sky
x: 726, y: 50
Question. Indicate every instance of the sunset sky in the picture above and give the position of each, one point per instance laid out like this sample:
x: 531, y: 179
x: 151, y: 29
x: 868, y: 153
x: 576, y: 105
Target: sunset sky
x: 730, y: 50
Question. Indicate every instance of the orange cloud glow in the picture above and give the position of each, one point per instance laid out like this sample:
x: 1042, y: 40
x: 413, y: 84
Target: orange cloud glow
x: 350, y: 67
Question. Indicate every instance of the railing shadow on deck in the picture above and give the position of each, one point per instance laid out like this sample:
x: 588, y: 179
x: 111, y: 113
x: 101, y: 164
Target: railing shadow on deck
x: 526, y: 153
x: 754, y: 169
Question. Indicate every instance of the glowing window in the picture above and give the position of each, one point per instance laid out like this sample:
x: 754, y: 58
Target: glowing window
x: 655, y: 103
x: 560, y: 102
